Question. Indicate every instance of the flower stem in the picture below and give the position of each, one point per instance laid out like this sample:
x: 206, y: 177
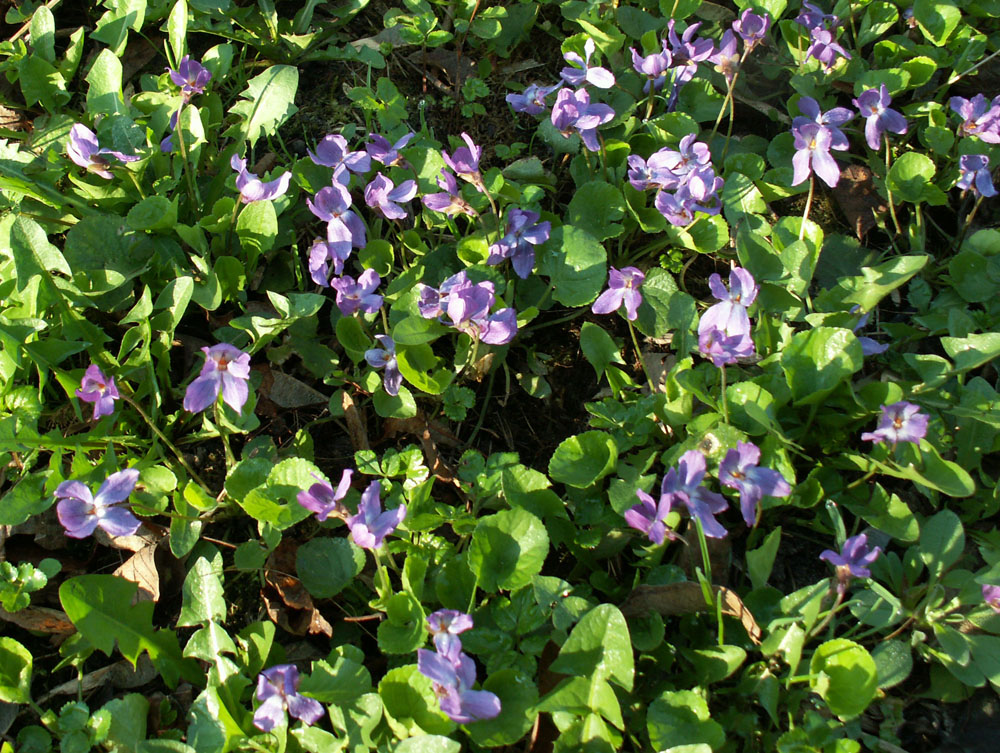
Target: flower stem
x: 163, y: 438
x: 888, y: 192
x: 638, y: 354
x: 182, y: 147
x: 967, y: 224
x: 224, y: 436
x: 809, y: 201
x: 725, y: 401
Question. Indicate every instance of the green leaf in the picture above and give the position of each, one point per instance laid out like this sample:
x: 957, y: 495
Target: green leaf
x: 275, y: 502
x: 816, y: 361
x: 421, y: 368
x: 15, y: 672
x: 32, y: 252
x: 267, y: 102
x: 973, y: 351
x: 429, y: 744
x: 105, y: 78
x: 937, y: 19
x: 893, y: 662
x: 404, y: 630
x: 401, y: 405
x: 517, y: 694
x: 508, y: 549
x: 177, y: 29
x: 575, y: 263
x: 43, y: 34
x: 128, y: 721
x: 716, y: 663
x: 326, y: 565
x: 598, y: 348
x: 681, y: 717
x: 204, y: 598
x: 594, y: 209
x: 104, y: 610
x: 910, y: 174
x: 415, y: 330
x: 599, y: 647
x: 844, y: 674
x: 760, y: 561
x: 211, y: 727
x: 582, y: 459
x: 942, y: 542
x: 25, y: 499
x: 410, y: 704
x: 257, y: 228
x: 665, y: 308
x: 339, y: 683
x: 152, y: 213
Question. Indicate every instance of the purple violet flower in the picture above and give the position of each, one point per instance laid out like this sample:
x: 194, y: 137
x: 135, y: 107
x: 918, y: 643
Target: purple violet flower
x: 388, y: 154
x: 649, y: 516
x: 685, y: 482
x: 382, y: 194
x: 465, y: 162
x: 825, y: 49
x: 975, y: 175
x: 98, y: 389
x: 322, y: 499
x: 991, y: 595
x: 385, y: 358
x: 333, y: 152
x: 900, y: 422
x: 813, y: 143
x: 687, y: 52
x: 653, y: 66
x: 80, y: 512
x: 332, y: 205
x: 873, y: 104
x: 84, y: 150
x: 980, y: 117
x: 226, y: 371
x: 467, y: 305
x: 278, y: 688
x: 450, y: 201
x: 752, y: 28
x: 445, y: 625
x: 252, y: 188
x: 453, y: 678
x: 581, y: 71
x: 727, y: 57
x: 852, y: 561
x: 655, y: 172
x: 722, y: 349
x: 623, y: 287
x: 739, y: 470
x: 574, y: 112
x: 358, y: 295
x: 370, y: 526
x: 729, y: 315
x: 532, y: 99
x: 813, y: 18
x: 191, y: 76
x: 832, y: 119
x: 524, y: 232
x: 324, y: 253
x: 869, y: 347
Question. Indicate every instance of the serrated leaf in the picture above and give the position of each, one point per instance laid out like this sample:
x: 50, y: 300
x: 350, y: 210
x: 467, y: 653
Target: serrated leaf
x: 266, y: 103
x: 203, y: 590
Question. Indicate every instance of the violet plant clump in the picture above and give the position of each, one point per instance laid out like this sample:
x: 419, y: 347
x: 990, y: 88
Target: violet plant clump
x: 667, y: 145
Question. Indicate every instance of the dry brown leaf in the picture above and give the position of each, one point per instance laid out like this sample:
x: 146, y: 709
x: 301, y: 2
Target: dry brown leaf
x: 355, y: 426
x: 42, y: 619
x: 293, y: 610
x: 140, y: 568
x: 858, y: 199
x: 141, y: 539
x: 686, y: 598
x: 121, y: 674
